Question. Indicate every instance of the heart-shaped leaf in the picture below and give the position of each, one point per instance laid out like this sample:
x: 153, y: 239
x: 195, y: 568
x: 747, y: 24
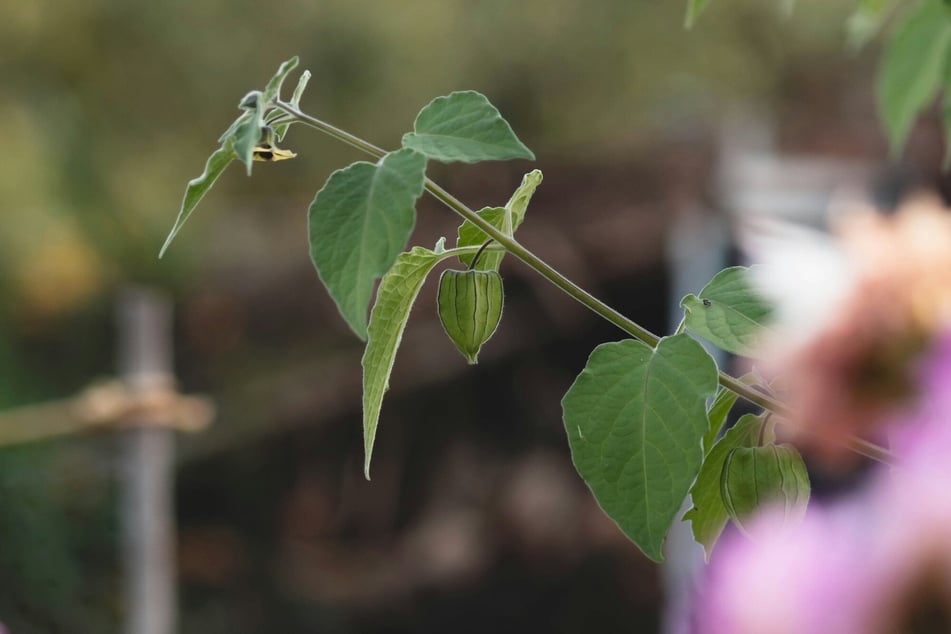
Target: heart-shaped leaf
x: 635, y: 419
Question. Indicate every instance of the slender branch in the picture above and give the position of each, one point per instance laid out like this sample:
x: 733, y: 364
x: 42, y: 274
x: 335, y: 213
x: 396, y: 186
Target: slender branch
x: 541, y: 267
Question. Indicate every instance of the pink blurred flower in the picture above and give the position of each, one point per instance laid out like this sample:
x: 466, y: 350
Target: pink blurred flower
x: 876, y: 563
x: 855, y: 372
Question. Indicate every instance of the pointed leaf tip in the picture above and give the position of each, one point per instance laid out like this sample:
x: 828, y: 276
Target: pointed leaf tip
x: 198, y: 187
x: 394, y: 301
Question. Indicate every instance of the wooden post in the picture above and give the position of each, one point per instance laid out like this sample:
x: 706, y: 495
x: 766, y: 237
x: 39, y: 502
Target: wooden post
x: 147, y: 508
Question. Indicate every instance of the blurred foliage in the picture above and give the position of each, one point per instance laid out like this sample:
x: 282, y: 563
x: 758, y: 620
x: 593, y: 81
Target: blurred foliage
x: 110, y: 107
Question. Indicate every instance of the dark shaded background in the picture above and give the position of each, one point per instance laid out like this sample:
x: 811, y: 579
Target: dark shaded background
x: 474, y: 520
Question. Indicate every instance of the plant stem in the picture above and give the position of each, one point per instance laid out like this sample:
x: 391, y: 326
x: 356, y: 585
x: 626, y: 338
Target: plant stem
x: 541, y: 267
x: 682, y: 325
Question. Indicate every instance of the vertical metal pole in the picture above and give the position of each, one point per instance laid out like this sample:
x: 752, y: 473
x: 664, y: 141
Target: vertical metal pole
x: 145, y: 362
x: 697, y: 248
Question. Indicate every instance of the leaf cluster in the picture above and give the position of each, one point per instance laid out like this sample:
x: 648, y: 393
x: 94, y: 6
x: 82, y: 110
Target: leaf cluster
x: 644, y: 418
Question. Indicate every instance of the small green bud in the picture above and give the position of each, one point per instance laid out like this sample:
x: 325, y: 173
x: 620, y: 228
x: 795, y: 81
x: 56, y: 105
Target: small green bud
x: 769, y: 475
x: 470, y: 307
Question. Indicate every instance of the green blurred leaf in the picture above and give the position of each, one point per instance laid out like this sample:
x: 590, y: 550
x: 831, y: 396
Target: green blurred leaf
x: 866, y: 21
x: 635, y: 419
x: 464, y: 126
x: 394, y: 301
x: 506, y: 219
x: 913, y: 68
x: 719, y: 410
x: 359, y: 223
x: 728, y: 312
x: 198, y: 187
x: 694, y: 9
x: 708, y: 515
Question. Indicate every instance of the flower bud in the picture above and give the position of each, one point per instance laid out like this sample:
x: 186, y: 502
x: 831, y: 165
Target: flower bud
x: 470, y: 307
x: 773, y: 475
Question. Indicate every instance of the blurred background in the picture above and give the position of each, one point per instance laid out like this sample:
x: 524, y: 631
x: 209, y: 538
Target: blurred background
x: 653, y: 141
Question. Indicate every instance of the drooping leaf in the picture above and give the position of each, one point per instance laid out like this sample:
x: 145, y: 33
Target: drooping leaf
x: 717, y: 414
x: 359, y: 223
x: 694, y: 9
x: 464, y: 126
x: 635, y: 419
x: 198, y: 187
x: 729, y: 312
x: 247, y: 134
x: 912, y: 68
x: 709, y: 515
x: 394, y: 300
x: 506, y: 219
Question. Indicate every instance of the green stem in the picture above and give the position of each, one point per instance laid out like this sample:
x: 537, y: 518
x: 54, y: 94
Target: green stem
x: 682, y: 325
x: 541, y: 267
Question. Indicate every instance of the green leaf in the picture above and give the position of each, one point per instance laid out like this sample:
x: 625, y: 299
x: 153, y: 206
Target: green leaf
x: 281, y: 129
x: 635, y: 418
x: 728, y: 312
x: 470, y: 235
x: 719, y: 410
x: 709, y: 515
x: 394, y: 300
x: 359, y: 223
x: 247, y: 135
x: 517, y: 205
x: 272, y: 90
x: 230, y: 132
x: 866, y: 21
x: 198, y: 187
x: 299, y: 89
x: 506, y: 219
x: 912, y: 69
x: 464, y: 126
x: 694, y: 9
